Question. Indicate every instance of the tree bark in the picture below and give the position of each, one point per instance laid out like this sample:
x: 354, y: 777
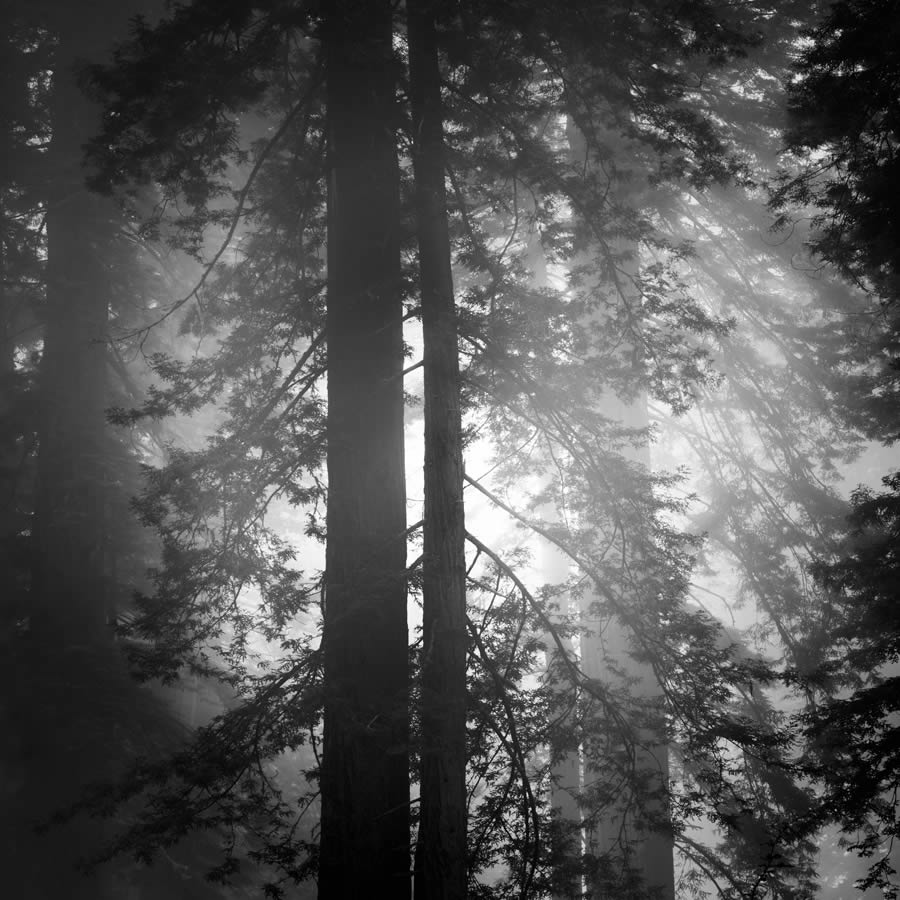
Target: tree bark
x: 365, y: 826
x: 440, y: 870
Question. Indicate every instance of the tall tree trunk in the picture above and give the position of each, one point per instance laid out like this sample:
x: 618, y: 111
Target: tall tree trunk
x: 66, y: 696
x: 631, y: 848
x: 565, y: 787
x: 365, y: 828
x: 631, y: 835
x: 441, y: 849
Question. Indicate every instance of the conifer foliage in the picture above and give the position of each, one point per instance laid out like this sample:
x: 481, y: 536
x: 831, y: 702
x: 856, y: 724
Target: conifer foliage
x: 844, y: 116
x: 523, y: 195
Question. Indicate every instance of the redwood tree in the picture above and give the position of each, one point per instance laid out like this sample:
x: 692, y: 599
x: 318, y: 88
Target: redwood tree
x: 365, y: 764
x: 68, y: 699
x: 441, y: 849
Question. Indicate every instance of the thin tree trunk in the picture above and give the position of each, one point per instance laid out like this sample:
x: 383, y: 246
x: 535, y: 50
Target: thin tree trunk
x: 441, y: 848
x: 365, y: 827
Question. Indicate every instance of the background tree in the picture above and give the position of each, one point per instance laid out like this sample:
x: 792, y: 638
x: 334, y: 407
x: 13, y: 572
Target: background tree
x: 441, y: 846
x: 843, y: 106
x: 71, y: 714
x: 843, y: 131
x: 62, y: 630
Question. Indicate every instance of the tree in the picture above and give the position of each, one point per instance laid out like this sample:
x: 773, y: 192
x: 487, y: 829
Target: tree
x: 537, y: 363
x: 441, y: 864
x: 71, y: 714
x: 62, y: 628
x: 843, y: 132
x: 842, y: 139
x: 365, y: 767
x: 853, y: 736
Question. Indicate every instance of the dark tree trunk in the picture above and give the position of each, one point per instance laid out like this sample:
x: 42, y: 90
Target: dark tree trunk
x: 67, y: 698
x: 441, y: 848
x: 365, y: 829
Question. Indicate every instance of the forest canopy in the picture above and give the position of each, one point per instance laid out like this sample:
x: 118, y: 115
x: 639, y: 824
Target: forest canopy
x: 429, y: 446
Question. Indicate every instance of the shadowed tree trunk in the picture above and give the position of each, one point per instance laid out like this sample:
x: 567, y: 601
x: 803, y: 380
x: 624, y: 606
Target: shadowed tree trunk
x: 365, y: 829
x: 441, y: 848
x: 68, y: 701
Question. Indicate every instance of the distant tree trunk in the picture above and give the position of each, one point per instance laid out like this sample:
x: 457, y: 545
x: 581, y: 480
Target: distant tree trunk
x: 365, y: 828
x: 66, y: 697
x: 554, y: 566
x: 631, y: 837
x: 629, y: 849
x: 441, y: 849
x: 565, y: 789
